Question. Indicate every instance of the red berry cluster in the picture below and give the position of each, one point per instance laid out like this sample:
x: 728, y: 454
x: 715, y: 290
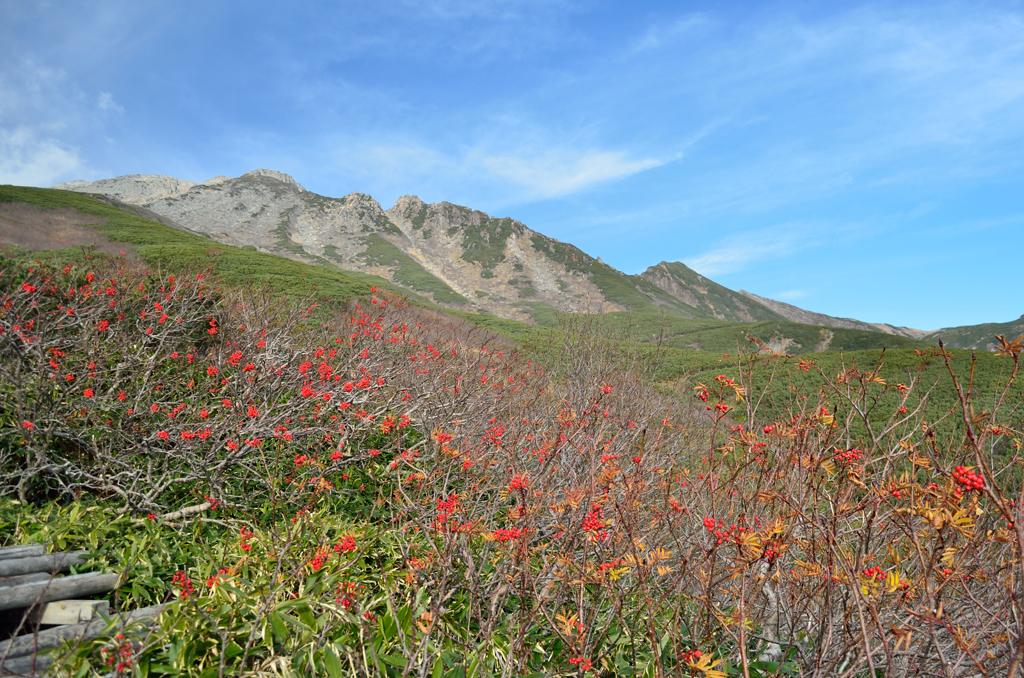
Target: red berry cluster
x: 968, y: 478
x: 445, y: 509
x: 121, y: 655
x: 318, y: 560
x: 581, y: 662
x: 691, y: 656
x: 184, y: 584
x: 876, y: 573
x: 508, y: 534
x: 723, y: 532
x: 594, y: 524
x: 346, y: 594
x: 345, y: 544
x: 849, y: 456
x: 215, y: 579
x: 246, y: 534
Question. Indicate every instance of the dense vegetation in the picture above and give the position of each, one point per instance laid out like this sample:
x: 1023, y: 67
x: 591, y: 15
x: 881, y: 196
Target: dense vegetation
x: 376, y: 488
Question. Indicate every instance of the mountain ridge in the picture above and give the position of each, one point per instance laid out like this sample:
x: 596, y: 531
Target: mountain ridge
x: 797, y: 314
x: 453, y: 255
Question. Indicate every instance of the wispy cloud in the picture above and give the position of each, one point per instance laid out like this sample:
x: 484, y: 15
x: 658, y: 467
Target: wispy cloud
x: 660, y: 34
x: 819, y: 107
x: 38, y: 108
x: 744, y: 250
x: 527, y: 173
x: 27, y: 160
x: 106, y: 102
x: 791, y: 294
x: 559, y: 172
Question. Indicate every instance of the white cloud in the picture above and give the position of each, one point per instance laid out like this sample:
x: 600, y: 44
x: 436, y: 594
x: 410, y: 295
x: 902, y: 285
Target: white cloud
x: 658, y: 34
x: 560, y: 172
x: 106, y: 103
x: 528, y: 175
x: 792, y: 294
x: 734, y: 257
x: 27, y: 160
x: 743, y: 250
x: 41, y: 108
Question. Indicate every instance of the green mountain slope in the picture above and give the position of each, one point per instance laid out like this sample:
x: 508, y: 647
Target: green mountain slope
x: 977, y: 336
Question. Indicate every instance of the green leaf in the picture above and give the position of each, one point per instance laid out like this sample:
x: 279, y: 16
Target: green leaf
x: 394, y: 660
x: 280, y: 629
x: 332, y: 663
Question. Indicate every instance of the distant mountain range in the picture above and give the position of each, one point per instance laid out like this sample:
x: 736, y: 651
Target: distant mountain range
x: 453, y: 255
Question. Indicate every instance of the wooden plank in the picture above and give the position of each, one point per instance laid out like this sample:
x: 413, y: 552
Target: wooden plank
x: 55, y: 637
x: 71, y: 611
x: 61, y: 588
x: 24, y: 579
x: 50, y: 562
x: 21, y: 551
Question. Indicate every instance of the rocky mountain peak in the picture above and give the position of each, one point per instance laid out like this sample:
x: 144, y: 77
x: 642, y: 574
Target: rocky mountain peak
x: 363, y: 201
x: 274, y: 174
x: 409, y: 207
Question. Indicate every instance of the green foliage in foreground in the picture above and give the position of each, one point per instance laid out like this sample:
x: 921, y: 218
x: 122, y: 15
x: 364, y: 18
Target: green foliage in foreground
x: 481, y: 513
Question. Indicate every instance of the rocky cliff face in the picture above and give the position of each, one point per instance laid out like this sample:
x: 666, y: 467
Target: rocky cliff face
x: 451, y: 254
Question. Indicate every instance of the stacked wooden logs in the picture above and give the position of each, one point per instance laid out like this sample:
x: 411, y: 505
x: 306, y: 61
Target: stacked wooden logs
x: 52, y: 608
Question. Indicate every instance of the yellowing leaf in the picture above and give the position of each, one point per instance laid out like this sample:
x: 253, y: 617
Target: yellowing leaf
x: 567, y: 622
x: 707, y: 667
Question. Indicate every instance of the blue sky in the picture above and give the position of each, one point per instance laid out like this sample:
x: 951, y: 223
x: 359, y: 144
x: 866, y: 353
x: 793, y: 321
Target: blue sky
x: 861, y: 160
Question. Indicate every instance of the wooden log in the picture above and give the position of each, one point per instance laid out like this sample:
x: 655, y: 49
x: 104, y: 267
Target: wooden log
x: 70, y: 611
x: 21, y: 551
x: 61, y: 588
x: 50, y: 562
x: 27, y: 666
x: 55, y: 637
x: 24, y: 579
x: 187, y: 511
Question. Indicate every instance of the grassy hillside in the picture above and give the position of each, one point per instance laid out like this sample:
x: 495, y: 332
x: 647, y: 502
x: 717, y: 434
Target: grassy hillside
x: 721, y: 336
x: 978, y: 336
